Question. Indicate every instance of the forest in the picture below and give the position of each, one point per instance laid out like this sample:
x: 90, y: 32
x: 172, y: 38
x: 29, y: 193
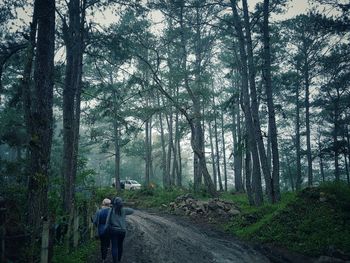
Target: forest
x: 212, y: 97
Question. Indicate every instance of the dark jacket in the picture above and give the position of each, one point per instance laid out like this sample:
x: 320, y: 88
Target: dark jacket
x: 118, y: 222
x: 101, y: 218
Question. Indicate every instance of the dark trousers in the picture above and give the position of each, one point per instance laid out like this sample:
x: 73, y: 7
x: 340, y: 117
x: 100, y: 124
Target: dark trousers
x: 117, y: 240
x: 105, y: 241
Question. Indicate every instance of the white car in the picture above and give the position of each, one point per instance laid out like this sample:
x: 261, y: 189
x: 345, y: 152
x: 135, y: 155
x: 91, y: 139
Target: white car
x: 131, y: 185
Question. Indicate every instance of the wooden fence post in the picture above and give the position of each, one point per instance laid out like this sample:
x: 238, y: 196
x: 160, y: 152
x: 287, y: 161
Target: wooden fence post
x: 45, y: 242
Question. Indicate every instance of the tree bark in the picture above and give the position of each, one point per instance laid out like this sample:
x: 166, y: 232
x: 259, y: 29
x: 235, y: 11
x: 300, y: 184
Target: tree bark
x: 73, y: 38
x: 116, y: 136
x: 212, y: 156
x: 297, y: 140
x: 251, y: 128
x: 193, y: 120
x: 162, y: 139
x: 276, y: 195
x: 237, y: 148
x: 346, y: 164
x: 335, y: 137
x: 196, y: 127
x: 42, y: 130
x: 196, y: 99
x: 27, y: 73
x: 150, y: 149
x: 147, y: 157
x: 307, y: 118
x: 180, y: 163
x: 170, y: 148
x: 176, y: 176
x: 217, y: 148
x: 224, y: 149
x: 254, y: 106
x: 348, y: 144
x: 248, y: 175
x: 320, y: 154
x: 290, y: 174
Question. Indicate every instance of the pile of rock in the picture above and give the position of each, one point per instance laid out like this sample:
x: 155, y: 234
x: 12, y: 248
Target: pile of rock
x: 213, y: 208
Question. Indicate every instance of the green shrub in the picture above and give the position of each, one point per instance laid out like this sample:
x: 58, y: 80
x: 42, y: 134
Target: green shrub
x: 81, y: 255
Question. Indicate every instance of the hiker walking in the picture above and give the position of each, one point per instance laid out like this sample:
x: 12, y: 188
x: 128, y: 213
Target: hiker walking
x: 117, y: 227
x: 101, y: 222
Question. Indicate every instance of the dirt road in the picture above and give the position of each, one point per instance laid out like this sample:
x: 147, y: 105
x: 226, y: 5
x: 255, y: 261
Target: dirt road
x: 162, y: 239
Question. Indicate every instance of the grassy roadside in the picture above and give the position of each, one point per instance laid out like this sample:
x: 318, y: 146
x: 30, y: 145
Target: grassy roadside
x: 315, y: 221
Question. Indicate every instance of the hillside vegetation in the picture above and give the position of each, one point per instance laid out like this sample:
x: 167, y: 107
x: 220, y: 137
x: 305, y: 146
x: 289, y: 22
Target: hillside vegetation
x: 314, y: 221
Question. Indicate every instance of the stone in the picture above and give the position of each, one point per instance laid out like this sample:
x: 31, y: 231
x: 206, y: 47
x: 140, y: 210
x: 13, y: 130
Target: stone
x: 233, y: 212
x: 212, y: 205
x: 193, y: 214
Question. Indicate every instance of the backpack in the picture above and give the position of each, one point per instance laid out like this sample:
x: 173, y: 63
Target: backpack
x: 106, y: 226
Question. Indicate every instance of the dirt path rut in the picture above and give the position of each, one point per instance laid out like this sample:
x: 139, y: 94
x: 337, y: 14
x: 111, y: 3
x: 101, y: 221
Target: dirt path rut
x: 156, y: 239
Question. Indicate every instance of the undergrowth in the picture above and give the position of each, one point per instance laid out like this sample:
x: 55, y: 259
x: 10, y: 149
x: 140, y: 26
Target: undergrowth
x: 312, y: 221
x: 80, y: 255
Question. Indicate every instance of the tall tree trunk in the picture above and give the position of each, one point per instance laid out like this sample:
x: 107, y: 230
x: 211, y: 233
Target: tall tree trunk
x: 212, y: 156
x: 321, y: 159
x: 116, y: 156
x: 237, y: 149
x: 150, y: 148
x: 256, y: 176
x: 26, y: 86
x: 346, y: 164
x: 27, y: 74
x: 170, y: 147
x: 297, y: 141
x: 276, y: 195
x: 162, y: 139
x: 335, y: 142
x: 290, y: 174
x: 73, y: 35
x: 268, y: 148
x: 254, y: 105
x: 348, y: 148
x: 248, y: 174
x: 224, y: 149
x: 116, y: 140
x: 175, y: 161
x: 180, y: 162
x: 307, y: 120
x: 198, y: 150
x: 193, y: 120
x: 199, y: 136
x: 217, y: 150
x: 196, y: 127
x: 42, y: 129
x: 147, y: 157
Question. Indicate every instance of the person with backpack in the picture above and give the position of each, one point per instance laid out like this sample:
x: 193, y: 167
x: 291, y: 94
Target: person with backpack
x: 117, y: 227
x: 101, y: 223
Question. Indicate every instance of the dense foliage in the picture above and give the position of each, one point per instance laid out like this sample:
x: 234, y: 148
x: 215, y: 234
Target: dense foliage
x: 203, y: 96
